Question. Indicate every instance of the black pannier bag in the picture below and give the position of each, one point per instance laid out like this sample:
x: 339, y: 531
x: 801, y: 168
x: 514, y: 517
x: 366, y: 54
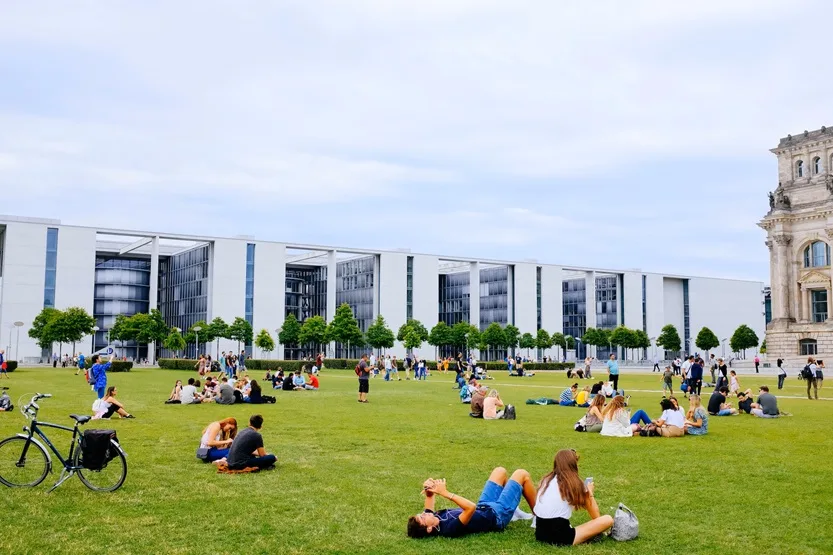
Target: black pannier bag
x: 96, y: 449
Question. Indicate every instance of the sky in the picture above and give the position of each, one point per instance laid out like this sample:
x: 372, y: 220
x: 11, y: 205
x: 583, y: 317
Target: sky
x: 597, y: 134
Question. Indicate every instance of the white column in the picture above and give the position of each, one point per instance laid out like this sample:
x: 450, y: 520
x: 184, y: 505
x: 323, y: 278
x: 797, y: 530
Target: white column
x: 474, y: 294
x: 590, y: 299
x: 829, y: 304
x: 154, y: 290
x: 376, y: 284
x: 510, y: 295
x: 331, y: 292
x: 805, y: 301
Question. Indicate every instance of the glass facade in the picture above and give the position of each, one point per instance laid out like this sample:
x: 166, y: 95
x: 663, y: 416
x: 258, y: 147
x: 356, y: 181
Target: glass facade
x: 608, y: 304
x: 538, y: 294
x: 354, y: 286
x: 494, y: 300
x: 183, y: 290
x: 686, y: 318
x: 819, y: 301
x: 768, y: 305
x: 122, y: 286
x: 574, y: 303
x: 306, y: 292
x: 250, y: 290
x: 454, y: 298
x: 51, y: 267
x: 409, y: 294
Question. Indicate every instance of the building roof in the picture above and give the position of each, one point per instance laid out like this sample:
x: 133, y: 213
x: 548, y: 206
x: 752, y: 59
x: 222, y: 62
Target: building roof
x: 806, y: 136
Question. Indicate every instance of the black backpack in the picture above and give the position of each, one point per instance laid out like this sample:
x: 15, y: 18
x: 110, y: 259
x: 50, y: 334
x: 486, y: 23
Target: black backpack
x: 509, y: 412
x: 807, y: 373
x: 97, y: 448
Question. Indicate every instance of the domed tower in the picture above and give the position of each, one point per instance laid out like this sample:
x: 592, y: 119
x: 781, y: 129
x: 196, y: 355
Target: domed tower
x: 799, y: 229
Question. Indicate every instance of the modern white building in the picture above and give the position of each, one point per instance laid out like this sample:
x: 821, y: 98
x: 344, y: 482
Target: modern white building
x: 191, y: 278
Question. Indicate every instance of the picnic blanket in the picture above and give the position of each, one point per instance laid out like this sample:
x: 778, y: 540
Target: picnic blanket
x: 541, y: 401
x: 222, y: 468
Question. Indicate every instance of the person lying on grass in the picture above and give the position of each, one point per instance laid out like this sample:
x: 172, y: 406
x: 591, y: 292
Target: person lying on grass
x: 496, y: 508
x: 562, y: 491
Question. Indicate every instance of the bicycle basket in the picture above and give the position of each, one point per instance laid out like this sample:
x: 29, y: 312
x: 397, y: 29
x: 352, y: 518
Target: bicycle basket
x: 96, y: 449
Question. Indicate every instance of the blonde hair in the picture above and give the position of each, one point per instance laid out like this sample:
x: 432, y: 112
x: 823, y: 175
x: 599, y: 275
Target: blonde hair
x: 616, y: 404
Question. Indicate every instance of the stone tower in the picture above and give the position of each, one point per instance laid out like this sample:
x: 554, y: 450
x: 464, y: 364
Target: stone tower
x: 799, y: 229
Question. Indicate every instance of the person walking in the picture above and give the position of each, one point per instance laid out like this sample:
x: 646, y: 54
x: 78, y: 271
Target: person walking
x: 613, y: 371
x: 363, y: 372
x: 757, y: 364
x: 713, y: 368
x: 3, y: 364
x: 656, y: 365
x: 81, y: 362
x: 809, y: 375
x: 782, y: 374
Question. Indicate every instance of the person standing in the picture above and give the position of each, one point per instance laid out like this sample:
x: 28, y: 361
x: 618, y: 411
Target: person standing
x: 387, y: 368
x: 613, y: 371
x: 363, y: 372
x: 247, y: 449
x: 723, y: 373
x: 588, y: 361
x: 242, y: 360
x: 695, y: 376
x: 757, y: 363
x: 819, y: 373
x: 99, y: 374
x: 809, y: 375
x: 713, y: 368
x: 782, y: 374
x: 81, y: 362
x: 3, y: 364
x: 656, y: 365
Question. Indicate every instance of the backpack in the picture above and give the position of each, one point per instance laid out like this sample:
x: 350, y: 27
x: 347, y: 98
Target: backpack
x: 97, y: 448
x: 359, y: 369
x: 806, y: 373
x: 465, y: 395
x: 91, y: 376
x: 509, y: 412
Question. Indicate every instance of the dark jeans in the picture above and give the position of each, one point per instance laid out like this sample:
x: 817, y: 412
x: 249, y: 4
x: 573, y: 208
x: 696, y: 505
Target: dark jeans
x: 781, y: 378
x: 615, y: 379
x: 260, y: 462
x: 696, y: 386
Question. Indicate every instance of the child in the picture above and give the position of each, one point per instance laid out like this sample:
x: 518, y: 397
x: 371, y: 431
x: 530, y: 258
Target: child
x: 734, y: 384
x: 667, y: 381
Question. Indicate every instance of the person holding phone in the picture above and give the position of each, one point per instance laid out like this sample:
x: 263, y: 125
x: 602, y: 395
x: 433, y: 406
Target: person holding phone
x: 560, y: 493
x: 99, y: 374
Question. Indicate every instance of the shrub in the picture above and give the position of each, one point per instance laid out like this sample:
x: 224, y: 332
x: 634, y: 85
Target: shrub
x: 349, y: 364
x: 115, y: 366
x: 11, y: 365
x: 177, y: 364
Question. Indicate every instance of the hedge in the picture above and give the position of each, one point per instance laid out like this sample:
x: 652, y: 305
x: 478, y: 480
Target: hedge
x: 11, y: 365
x: 115, y: 366
x: 343, y: 364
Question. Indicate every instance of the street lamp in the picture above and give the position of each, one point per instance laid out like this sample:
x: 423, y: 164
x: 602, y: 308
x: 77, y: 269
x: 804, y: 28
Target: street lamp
x: 653, y: 342
x: 724, y: 346
x: 18, y: 325
x: 197, y: 330
x: 9, y: 344
x: 578, y: 342
x: 566, y: 344
x: 95, y: 331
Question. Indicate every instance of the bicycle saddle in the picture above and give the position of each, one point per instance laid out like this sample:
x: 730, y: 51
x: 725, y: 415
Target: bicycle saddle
x: 81, y: 419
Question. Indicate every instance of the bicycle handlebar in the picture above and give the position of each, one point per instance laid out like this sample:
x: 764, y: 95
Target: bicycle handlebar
x: 31, y: 409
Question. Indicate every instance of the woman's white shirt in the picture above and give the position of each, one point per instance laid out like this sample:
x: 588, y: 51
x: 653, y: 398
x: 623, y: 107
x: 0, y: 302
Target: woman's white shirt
x: 673, y: 418
x: 618, y: 426
x: 550, y: 504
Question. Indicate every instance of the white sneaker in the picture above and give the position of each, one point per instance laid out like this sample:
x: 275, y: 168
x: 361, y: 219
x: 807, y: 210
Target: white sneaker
x: 520, y: 515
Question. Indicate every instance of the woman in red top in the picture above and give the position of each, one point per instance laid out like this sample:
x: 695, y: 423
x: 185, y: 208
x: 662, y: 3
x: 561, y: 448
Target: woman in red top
x: 312, y: 383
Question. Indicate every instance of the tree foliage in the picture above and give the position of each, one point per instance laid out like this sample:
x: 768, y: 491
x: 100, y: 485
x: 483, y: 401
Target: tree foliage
x: 440, y: 335
x: 669, y: 339
x: 459, y: 335
x: 241, y: 331
x: 264, y: 341
x: 527, y: 341
x: 706, y: 340
x: 313, y: 332
x: 344, y: 328
x: 379, y: 335
x: 174, y: 342
x: 473, y: 337
x: 543, y: 340
x: 290, y: 333
x: 412, y: 339
x: 512, y: 335
x: 743, y: 338
x: 40, y: 331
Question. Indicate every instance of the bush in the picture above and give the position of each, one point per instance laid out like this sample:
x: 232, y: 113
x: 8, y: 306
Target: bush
x: 349, y: 364
x: 500, y: 365
x: 11, y: 365
x: 115, y: 366
x: 177, y: 364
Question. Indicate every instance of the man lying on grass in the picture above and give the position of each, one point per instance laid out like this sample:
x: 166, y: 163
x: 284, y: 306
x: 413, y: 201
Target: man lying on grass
x: 497, y: 507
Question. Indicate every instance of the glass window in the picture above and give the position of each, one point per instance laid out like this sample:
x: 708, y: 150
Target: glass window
x: 819, y: 302
x: 817, y: 254
x: 799, y: 169
x: 808, y: 347
x: 817, y: 169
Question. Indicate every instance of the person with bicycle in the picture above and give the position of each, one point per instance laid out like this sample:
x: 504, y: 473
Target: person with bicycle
x: 99, y: 374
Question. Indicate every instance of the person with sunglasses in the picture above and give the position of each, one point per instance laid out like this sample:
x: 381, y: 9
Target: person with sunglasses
x: 561, y: 492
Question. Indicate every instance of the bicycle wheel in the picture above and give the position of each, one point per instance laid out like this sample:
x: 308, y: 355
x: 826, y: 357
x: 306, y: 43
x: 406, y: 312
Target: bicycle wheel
x: 17, y: 471
x: 108, y: 478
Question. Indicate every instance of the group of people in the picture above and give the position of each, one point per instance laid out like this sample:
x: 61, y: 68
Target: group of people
x: 615, y: 420
x: 295, y: 381
x: 221, y: 443
x: 552, y: 503
x: 218, y: 390
x: 485, y: 403
x: 765, y: 407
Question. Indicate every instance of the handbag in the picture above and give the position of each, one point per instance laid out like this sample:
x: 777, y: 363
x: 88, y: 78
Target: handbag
x: 581, y: 425
x: 202, y: 453
x: 509, y: 412
x: 625, y: 524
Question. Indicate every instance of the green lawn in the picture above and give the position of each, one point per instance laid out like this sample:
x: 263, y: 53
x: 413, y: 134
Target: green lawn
x: 349, y: 475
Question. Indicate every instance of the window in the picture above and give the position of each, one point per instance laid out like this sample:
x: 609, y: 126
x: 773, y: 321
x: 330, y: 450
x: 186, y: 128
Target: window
x: 817, y: 254
x: 817, y: 168
x: 799, y: 168
x: 808, y: 347
x: 819, y: 301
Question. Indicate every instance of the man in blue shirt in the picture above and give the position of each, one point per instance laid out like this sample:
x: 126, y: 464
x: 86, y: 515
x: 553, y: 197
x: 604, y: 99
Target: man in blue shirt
x: 568, y: 396
x: 613, y: 371
x: 497, y: 507
x: 99, y: 374
x: 81, y: 361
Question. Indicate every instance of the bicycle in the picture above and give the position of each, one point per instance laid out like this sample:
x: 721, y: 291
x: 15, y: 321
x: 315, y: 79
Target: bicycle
x: 25, y: 462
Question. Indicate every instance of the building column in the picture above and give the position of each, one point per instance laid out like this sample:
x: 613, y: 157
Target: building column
x: 331, y: 292
x: 510, y: 295
x: 780, y: 270
x: 805, y: 303
x: 376, y: 284
x: 154, y: 291
x: 590, y: 300
x: 474, y: 294
x: 829, y: 304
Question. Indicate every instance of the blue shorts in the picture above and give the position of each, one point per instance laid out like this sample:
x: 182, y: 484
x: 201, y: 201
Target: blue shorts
x: 503, y: 500
x: 725, y: 412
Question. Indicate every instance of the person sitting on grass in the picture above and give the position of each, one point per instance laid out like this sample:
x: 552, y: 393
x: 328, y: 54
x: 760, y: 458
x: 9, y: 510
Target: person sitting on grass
x: 110, y: 406
x: 277, y: 379
x: 583, y: 397
x: 594, y: 417
x: 617, y: 421
x: 225, y: 393
x: 567, y: 398
x: 478, y: 398
x: 312, y: 384
x: 188, y: 394
x: 672, y: 421
x: 718, y: 405
x: 298, y: 381
x: 596, y: 389
x: 5, y: 401
x: 255, y: 394
x: 561, y: 492
x: 496, y: 508
x: 287, y: 383
x: 745, y: 403
x: 173, y: 399
x: 767, y: 405
x: 493, y: 406
x: 697, y: 418
x: 217, y: 437
x: 247, y: 449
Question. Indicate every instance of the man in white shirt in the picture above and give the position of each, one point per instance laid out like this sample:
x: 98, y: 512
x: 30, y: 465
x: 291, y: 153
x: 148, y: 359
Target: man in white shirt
x: 686, y: 365
x: 188, y: 395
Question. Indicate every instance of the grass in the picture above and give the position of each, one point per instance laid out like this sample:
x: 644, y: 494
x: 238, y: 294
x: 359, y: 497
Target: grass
x: 349, y: 475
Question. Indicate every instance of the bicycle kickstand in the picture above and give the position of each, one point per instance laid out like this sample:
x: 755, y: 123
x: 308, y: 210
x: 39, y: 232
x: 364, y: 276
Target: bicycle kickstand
x: 65, y: 475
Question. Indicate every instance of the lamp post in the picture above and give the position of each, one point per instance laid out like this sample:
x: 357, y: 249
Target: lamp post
x: 197, y: 330
x: 578, y: 342
x: 95, y: 331
x: 653, y: 342
x: 566, y: 344
x: 18, y: 325
x: 724, y: 347
x: 9, y: 345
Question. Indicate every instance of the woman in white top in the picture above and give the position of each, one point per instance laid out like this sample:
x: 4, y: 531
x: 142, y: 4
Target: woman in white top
x: 617, y: 421
x: 562, y: 491
x: 672, y: 421
x: 217, y: 438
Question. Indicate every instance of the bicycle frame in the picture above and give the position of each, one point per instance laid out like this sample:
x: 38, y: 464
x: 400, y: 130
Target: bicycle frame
x: 36, y: 429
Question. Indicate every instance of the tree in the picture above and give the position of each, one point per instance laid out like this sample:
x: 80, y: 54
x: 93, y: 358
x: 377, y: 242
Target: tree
x: 194, y: 336
x: 513, y: 336
x: 623, y: 337
x: 344, y: 328
x: 122, y: 329
x: 459, y: 335
x: 290, y: 333
x: 39, y: 330
x: 440, y: 336
x: 763, y: 347
x: 174, y: 342
x: 415, y: 325
x: 743, y: 338
x: 241, y: 331
x: 151, y: 328
x: 217, y: 329
x: 669, y: 339
x: 71, y: 325
x: 313, y: 332
x: 264, y: 341
x: 642, y: 341
x: 527, y: 341
x: 473, y: 338
x: 379, y: 335
x: 493, y: 338
x: 706, y: 340
x: 412, y: 339
x: 557, y: 340
x: 543, y: 340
